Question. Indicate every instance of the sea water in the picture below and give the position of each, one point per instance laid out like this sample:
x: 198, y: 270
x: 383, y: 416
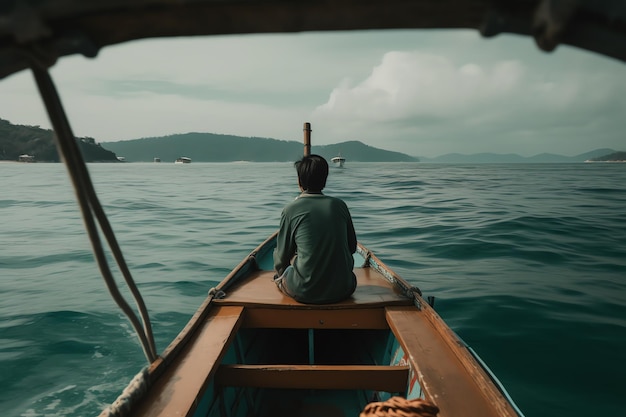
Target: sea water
x: 527, y: 264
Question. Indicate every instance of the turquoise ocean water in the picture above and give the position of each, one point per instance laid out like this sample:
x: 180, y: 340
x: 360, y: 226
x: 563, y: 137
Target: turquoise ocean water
x: 527, y: 264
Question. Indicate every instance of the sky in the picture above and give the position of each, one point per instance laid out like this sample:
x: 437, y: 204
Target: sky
x: 423, y: 93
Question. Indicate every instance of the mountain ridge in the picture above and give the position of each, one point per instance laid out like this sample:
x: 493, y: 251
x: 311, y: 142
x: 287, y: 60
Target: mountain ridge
x: 213, y: 147
x: 512, y: 158
x: 16, y: 140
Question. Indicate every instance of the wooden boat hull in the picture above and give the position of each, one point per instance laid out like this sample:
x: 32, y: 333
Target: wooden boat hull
x: 250, y: 350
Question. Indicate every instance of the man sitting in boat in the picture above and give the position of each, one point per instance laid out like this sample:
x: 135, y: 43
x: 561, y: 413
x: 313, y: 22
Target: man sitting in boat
x: 316, y: 240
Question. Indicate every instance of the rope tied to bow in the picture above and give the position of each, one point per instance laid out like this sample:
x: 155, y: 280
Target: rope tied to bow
x: 400, y: 407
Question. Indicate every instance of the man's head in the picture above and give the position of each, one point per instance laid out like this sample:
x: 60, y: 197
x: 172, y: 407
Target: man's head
x: 312, y: 173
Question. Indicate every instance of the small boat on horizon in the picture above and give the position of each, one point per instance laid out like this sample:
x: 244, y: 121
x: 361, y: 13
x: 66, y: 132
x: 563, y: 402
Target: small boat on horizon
x: 26, y: 158
x: 338, y: 160
x: 182, y: 160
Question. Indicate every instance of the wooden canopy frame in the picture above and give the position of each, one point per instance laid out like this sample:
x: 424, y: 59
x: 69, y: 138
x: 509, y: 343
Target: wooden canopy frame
x: 46, y: 30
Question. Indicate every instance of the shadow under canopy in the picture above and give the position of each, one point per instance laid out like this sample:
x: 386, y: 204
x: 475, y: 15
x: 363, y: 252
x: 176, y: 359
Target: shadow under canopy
x: 49, y: 29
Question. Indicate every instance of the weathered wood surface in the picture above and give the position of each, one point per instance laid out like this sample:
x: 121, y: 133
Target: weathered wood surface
x: 50, y: 29
x: 367, y: 377
x: 446, y: 371
x: 259, y: 290
x: 180, y: 387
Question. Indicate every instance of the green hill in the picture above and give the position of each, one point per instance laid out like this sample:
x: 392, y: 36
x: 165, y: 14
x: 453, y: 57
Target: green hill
x: 211, y: 147
x: 16, y: 140
x: 612, y: 157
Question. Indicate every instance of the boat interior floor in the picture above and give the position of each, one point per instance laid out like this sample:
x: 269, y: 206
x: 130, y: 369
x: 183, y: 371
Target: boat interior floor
x: 317, y: 403
x: 335, y: 339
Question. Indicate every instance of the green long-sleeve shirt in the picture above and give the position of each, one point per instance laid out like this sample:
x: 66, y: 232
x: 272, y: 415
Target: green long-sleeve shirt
x: 317, y: 238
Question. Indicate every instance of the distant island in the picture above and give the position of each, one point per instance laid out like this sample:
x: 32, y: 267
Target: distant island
x: 34, y: 144
x: 612, y: 157
x: 212, y: 147
x: 18, y: 142
x: 543, y: 158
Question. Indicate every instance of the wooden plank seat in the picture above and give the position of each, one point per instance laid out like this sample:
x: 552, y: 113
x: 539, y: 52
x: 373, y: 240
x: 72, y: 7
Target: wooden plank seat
x: 265, y: 304
x: 259, y: 290
x: 392, y: 379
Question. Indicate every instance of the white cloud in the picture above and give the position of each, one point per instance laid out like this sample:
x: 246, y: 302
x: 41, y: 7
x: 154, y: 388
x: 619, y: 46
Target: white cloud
x: 408, y: 84
x: 432, y: 98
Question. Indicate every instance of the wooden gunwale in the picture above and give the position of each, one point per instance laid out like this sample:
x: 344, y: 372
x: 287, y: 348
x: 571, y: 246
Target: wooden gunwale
x: 181, y: 386
x: 438, y: 355
x: 157, y: 367
x: 448, y: 374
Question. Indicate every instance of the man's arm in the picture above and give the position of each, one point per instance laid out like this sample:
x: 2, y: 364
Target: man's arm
x: 351, y: 235
x: 285, y: 246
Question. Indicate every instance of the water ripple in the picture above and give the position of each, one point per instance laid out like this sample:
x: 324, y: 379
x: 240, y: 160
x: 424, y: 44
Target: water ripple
x: 526, y: 262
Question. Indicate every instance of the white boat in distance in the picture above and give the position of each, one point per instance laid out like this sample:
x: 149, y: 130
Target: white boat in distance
x: 338, y: 160
x: 182, y: 160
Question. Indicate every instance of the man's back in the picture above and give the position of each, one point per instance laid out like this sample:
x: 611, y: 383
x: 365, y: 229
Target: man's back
x: 318, y: 229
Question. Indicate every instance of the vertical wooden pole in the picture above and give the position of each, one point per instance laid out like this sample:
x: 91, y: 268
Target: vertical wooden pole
x: 307, y: 139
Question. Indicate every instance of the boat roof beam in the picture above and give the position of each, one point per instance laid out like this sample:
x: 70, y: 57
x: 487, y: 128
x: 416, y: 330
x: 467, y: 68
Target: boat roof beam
x: 59, y: 28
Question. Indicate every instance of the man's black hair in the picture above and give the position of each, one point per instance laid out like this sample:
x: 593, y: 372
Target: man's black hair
x: 312, y: 172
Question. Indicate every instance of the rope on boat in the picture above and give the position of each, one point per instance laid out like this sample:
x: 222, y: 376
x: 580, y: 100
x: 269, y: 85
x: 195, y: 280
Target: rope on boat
x: 216, y: 294
x: 408, y: 291
x: 122, y: 406
x: 89, y: 204
x: 400, y: 407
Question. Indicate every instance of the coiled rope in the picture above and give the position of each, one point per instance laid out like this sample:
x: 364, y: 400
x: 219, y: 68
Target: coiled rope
x: 400, y: 407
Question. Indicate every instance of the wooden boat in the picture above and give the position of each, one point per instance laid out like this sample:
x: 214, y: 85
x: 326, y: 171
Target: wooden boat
x: 248, y: 350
